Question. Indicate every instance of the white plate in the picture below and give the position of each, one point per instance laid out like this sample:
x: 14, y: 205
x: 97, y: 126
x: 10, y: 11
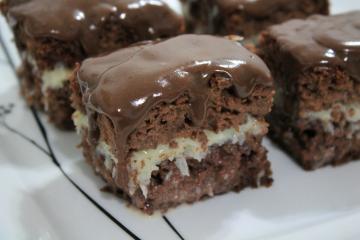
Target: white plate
x: 48, y: 192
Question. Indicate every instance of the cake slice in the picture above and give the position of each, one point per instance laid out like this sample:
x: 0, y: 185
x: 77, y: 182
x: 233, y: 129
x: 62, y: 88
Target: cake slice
x: 247, y: 18
x: 316, y: 67
x: 175, y: 121
x: 53, y: 35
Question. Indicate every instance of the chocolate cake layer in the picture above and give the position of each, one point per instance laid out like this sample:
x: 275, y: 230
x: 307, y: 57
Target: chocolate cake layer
x: 170, y: 109
x: 315, y: 63
x: 248, y: 18
x: 54, y: 35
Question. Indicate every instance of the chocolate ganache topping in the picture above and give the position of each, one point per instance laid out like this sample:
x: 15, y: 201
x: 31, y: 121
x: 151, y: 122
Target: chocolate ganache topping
x: 322, y: 40
x: 259, y: 8
x: 126, y: 84
x: 81, y: 20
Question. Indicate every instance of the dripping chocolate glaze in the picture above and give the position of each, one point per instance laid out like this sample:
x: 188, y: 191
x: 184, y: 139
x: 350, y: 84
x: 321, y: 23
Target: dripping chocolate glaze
x: 259, y: 8
x: 80, y: 20
x: 322, y: 40
x: 128, y: 83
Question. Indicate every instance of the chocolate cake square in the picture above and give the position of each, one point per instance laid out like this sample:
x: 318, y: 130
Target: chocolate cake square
x: 247, y: 18
x: 316, y: 67
x: 53, y: 35
x: 175, y: 121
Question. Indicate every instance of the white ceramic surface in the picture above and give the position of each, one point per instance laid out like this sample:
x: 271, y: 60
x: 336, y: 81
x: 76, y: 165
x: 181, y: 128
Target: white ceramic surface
x: 48, y: 192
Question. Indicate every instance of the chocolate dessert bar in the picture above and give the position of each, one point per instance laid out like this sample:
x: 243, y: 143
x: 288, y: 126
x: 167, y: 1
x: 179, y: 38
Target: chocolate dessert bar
x: 247, y: 18
x: 53, y: 35
x: 316, y: 67
x: 175, y: 121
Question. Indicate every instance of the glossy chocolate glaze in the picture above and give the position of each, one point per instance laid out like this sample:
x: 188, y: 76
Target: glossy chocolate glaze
x: 81, y: 20
x: 321, y: 40
x: 128, y: 83
x: 259, y: 8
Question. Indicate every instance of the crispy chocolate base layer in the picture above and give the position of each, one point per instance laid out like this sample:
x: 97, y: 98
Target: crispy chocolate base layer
x: 58, y: 105
x: 227, y: 168
x: 312, y: 147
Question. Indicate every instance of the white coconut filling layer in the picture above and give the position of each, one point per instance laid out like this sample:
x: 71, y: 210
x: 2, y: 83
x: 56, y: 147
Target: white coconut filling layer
x: 351, y: 113
x: 51, y: 79
x: 55, y: 78
x: 105, y: 150
x: 143, y: 163
x: 80, y: 121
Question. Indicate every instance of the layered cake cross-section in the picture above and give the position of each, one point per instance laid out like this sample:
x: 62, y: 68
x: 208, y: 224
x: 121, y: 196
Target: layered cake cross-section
x: 316, y: 68
x: 53, y: 35
x: 175, y: 121
x: 247, y: 18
